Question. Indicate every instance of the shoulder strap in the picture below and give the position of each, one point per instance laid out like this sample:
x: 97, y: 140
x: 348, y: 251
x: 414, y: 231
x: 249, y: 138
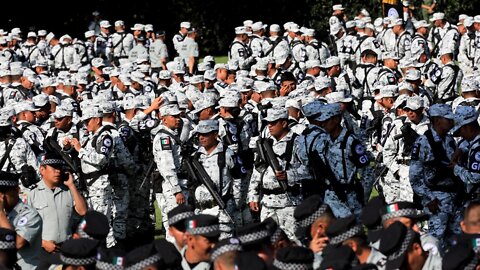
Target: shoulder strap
x: 8, y: 147
x: 289, y: 150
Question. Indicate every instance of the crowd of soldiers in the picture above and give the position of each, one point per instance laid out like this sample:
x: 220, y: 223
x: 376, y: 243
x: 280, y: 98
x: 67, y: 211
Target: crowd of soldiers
x: 268, y: 160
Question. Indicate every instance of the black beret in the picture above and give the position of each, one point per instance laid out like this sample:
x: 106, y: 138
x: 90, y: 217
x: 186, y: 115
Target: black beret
x: 249, y: 261
x: 142, y: 257
x: 7, y: 239
x: 205, y: 225
x: 179, y: 214
x: 460, y: 257
x: 372, y: 219
x: 170, y: 257
x: 402, y: 209
x: 52, y: 159
x: 307, y: 212
x: 343, y: 229
x: 294, y: 256
x: 110, y: 259
x: 338, y: 257
x: 370, y: 215
x: 394, y: 244
x: 276, y: 233
x: 224, y: 246
x: 94, y: 225
x: 79, y: 252
x: 9, y: 179
x: 253, y: 234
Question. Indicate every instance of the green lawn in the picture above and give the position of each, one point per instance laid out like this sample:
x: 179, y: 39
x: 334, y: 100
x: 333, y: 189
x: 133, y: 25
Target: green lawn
x: 158, y: 223
x: 219, y: 59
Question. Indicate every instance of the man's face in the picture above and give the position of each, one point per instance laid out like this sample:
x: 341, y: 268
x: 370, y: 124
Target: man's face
x: 52, y: 175
x: 63, y: 123
x: 205, y: 114
x: 49, y: 90
x: 388, y: 102
x: 93, y: 123
x: 414, y: 115
x: 408, y: 222
x: 330, y: 124
x: 27, y: 83
x: 277, y: 127
x: 208, y: 140
x: 319, y: 227
x: 44, y: 112
x: 27, y: 116
x: 222, y: 74
x: 471, y: 223
x: 437, y: 23
x: 334, y: 71
x: 209, y: 84
x: 10, y: 197
x: 202, y: 246
x: 172, y: 121
x: 391, y: 63
x: 178, y: 235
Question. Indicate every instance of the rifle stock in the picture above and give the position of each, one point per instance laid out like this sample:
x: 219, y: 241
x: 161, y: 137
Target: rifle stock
x: 198, y: 171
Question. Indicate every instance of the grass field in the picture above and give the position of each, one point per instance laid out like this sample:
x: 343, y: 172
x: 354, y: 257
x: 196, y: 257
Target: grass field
x: 219, y: 59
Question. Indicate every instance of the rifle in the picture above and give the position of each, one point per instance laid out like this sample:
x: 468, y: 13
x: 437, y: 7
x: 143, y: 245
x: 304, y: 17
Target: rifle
x: 266, y: 151
x: 53, y: 145
x: 409, y: 136
x: 151, y: 166
x: 197, y: 172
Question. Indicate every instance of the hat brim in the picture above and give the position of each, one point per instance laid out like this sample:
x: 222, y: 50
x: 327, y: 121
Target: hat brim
x: 374, y: 235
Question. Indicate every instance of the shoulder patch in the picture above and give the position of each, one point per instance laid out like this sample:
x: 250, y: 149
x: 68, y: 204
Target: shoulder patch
x: 106, y: 144
x: 22, y: 222
x: 166, y: 143
x: 474, y: 161
x: 477, y: 156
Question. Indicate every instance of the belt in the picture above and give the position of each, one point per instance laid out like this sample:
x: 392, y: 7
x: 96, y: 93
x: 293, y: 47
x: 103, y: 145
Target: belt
x: 295, y: 190
x: 94, y: 176
x: 182, y: 176
x: 403, y: 161
x: 205, y: 205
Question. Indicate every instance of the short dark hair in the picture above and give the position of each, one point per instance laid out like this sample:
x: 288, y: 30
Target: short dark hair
x: 288, y: 76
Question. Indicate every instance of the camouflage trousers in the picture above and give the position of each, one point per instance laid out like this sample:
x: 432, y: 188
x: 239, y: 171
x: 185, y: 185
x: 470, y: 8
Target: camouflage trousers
x: 341, y: 208
x: 284, y: 218
x: 396, y: 190
x: 139, y: 206
x: 226, y: 225
x: 100, y: 198
x: 445, y: 223
x: 120, y: 206
x: 166, y: 201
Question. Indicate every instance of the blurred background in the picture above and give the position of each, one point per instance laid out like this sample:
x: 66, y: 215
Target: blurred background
x: 214, y: 19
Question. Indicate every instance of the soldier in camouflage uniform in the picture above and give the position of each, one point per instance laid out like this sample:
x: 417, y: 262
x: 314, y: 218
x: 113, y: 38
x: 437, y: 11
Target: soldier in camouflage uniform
x: 277, y: 202
x: 351, y: 178
x: 166, y: 152
x: 123, y: 167
x: 225, y: 170
x: 431, y: 179
x: 95, y: 155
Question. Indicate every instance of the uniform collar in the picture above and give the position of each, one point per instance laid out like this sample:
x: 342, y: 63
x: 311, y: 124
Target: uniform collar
x: 218, y: 149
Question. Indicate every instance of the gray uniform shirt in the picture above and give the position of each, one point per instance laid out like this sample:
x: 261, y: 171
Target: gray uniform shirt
x: 55, y: 208
x: 28, y: 224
